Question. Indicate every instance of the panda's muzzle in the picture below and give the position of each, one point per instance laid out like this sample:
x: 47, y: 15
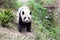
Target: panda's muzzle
x: 27, y: 21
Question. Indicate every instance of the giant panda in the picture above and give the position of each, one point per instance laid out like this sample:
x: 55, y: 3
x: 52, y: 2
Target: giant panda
x: 24, y: 18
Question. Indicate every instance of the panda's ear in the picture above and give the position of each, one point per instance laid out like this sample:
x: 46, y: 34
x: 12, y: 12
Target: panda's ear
x: 30, y: 13
x: 22, y: 12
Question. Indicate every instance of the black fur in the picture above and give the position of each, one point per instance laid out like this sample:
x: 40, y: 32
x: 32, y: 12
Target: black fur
x: 23, y: 25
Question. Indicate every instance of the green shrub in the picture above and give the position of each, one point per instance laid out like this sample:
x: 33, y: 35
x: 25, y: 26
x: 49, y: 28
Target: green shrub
x: 11, y: 4
x: 46, y: 24
x: 16, y: 5
x: 6, y: 16
x: 41, y: 15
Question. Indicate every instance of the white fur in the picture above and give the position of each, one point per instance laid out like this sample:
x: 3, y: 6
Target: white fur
x: 26, y: 11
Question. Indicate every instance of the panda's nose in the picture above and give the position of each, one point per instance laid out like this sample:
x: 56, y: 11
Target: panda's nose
x: 27, y: 21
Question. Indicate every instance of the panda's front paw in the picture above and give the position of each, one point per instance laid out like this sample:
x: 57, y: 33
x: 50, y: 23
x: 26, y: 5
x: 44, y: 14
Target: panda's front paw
x: 28, y: 30
x: 20, y: 30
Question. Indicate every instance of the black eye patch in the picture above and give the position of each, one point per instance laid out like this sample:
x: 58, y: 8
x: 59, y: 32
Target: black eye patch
x: 24, y: 17
x: 23, y: 13
x: 29, y: 18
x: 30, y: 13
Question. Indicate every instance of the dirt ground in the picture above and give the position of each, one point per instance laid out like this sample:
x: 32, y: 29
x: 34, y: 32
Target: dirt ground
x: 8, y: 34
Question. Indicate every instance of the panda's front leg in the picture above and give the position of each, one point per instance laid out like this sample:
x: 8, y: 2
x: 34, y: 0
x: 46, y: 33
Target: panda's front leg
x: 28, y: 27
x: 20, y: 27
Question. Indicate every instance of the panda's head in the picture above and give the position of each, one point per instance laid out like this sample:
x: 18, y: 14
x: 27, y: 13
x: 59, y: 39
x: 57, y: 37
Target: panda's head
x: 25, y: 15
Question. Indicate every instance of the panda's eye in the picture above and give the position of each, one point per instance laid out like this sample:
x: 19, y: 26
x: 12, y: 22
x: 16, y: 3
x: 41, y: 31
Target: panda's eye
x: 30, y: 13
x: 29, y: 18
x: 24, y: 17
x: 23, y: 12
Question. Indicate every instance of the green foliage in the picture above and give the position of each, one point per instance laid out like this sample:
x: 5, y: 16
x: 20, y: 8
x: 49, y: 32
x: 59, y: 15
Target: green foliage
x: 6, y: 16
x: 46, y: 1
x: 46, y: 24
x: 39, y: 13
x: 16, y: 5
x: 11, y: 4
